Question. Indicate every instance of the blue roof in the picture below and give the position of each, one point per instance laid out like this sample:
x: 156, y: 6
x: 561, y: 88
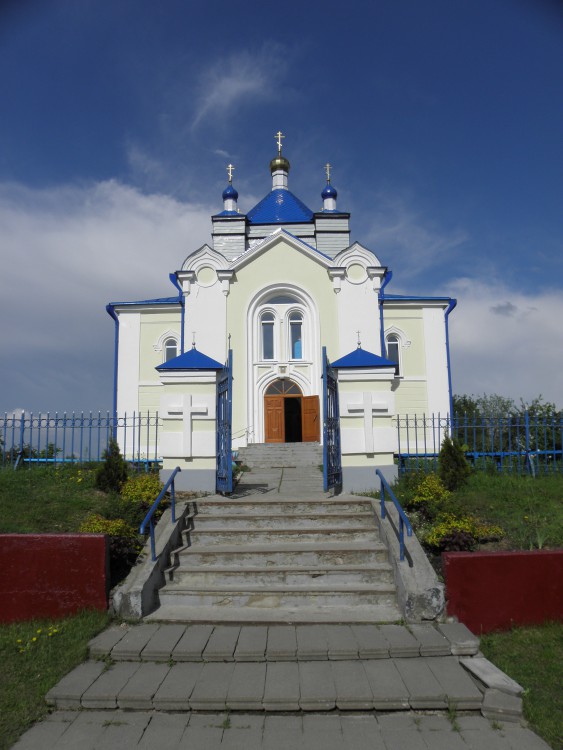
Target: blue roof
x: 230, y: 192
x: 280, y: 207
x: 228, y: 213
x: 414, y: 298
x: 159, y: 301
x: 191, y: 360
x: 360, y: 358
x: 329, y: 192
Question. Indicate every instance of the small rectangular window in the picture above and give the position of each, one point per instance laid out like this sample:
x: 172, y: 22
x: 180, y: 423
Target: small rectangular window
x: 267, y: 340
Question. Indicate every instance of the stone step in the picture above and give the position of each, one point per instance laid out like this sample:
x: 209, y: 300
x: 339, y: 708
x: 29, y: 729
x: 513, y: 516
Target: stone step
x: 289, y: 576
x: 287, y: 554
x: 256, y: 521
x: 278, y: 595
x: 257, y: 505
x: 270, y: 686
x: 232, y: 535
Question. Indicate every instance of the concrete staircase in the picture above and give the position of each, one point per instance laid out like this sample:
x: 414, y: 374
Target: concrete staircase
x: 279, y: 550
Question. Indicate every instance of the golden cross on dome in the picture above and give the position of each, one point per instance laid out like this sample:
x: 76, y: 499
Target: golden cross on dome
x: 359, y: 339
x: 278, y: 136
x: 327, y: 170
x: 230, y: 170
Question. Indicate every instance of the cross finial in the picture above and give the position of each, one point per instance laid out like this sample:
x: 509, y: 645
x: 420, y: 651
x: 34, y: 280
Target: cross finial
x: 279, y: 135
x: 359, y: 340
x: 193, y: 339
x: 327, y: 170
x: 230, y: 170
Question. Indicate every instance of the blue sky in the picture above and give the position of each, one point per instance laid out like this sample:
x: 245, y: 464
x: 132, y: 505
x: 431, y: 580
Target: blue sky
x: 442, y: 121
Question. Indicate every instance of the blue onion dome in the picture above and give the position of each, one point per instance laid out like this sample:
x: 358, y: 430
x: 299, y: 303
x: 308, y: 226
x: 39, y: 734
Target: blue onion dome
x: 230, y: 193
x: 329, y: 192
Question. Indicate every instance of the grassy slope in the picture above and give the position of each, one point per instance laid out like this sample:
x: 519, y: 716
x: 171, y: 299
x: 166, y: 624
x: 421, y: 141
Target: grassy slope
x: 27, y: 675
x: 533, y: 656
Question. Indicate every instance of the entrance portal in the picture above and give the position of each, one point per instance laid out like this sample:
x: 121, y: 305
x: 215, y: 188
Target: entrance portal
x: 289, y: 416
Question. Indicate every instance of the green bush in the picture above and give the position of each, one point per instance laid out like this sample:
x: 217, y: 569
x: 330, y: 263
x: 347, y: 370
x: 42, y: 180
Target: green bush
x: 453, y: 468
x: 124, y: 544
x: 142, y: 488
x: 112, y: 474
x: 427, y: 497
x: 459, y: 534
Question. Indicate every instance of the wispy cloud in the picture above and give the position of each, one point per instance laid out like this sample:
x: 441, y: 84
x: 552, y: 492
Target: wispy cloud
x: 238, y: 79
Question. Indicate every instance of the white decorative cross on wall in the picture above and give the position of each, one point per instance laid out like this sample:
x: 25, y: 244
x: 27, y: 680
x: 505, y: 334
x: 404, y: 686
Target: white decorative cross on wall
x: 368, y: 407
x: 182, y: 407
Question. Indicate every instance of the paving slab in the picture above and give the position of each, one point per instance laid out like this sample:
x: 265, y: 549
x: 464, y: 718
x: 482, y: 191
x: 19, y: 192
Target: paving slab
x: 222, y: 643
x: 133, y: 642
x: 104, y: 691
x: 312, y: 643
x: 175, y: 690
x: 521, y: 738
x: 283, y: 733
x: 361, y: 733
x: 123, y: 730
x: 491, y: 676
x: 45, y: 734
x: 191, y: 645
x: 388, y: 689
x: 460, y: 689
x: 251, y: 644
x: 103, y: 643
x: 282, y: 643
x: 341, y: 642
x: 68, y: 691
x: 204, y: 732
x: 499, y: 706
x: 463, y: 642
x: 322, y: 732
x: 353, y: 691
x: 444, y: 740
x: 401, y: 642
x: 162, y: 643
x: 425, y: 692
x: 371, y: 643
x: 82, y: 734
x: 139, y: 691
x: 282, y: 689
x: 318, y: 691
x: 432, y: 642
x: 401, y: 739
x: 164, y: 730
x: 210, y: 691
x: 246, y: 689
x: 244, y: 732
x: 485, y: 738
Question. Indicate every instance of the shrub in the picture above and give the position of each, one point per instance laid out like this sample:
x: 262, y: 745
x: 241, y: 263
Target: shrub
x: 142, y: 488
x: 428, y: 497
x: 453, y: 468
x: 451, y: 534
x: 113, y: 472
x: 124, y: 544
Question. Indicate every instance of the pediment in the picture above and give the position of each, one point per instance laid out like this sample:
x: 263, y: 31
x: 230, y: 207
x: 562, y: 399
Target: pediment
x: 357, y: 253
x: 205, y: 256
x: 274, y: 239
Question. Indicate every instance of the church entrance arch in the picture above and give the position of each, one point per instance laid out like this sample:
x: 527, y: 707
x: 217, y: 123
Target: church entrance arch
x: 290, y: 417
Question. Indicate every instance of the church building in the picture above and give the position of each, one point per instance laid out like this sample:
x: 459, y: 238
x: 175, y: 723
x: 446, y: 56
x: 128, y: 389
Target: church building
x: 281, y: 330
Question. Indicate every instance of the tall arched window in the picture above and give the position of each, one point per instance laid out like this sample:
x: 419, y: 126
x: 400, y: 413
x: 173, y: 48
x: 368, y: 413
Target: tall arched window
x: 267, y: 329
x: 295, y: 335
x: 170, y: 349
x: 394, y: 351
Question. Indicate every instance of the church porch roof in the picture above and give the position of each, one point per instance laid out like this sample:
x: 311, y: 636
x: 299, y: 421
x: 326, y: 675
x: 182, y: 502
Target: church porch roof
x: 191, y: 360
x: 361, y: 358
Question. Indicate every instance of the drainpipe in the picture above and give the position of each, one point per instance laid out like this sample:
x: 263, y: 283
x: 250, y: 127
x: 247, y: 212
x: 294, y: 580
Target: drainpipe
x: 450, y: 307
x: 386, y: 279
x: 174, y: 280
x: 111, y: 312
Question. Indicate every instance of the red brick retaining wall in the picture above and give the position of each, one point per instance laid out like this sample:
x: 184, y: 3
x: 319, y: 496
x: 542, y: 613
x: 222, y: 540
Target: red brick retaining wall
x: 52, y: 575
x: 495, y: 590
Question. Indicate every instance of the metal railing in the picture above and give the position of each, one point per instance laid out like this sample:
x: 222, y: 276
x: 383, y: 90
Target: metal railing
x: 403, y: 520
x: 77, y: 437
x: 149, y: 518
x: 520, y: 443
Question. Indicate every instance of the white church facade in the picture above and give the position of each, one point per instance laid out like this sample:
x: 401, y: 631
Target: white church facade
x: 277, y: 287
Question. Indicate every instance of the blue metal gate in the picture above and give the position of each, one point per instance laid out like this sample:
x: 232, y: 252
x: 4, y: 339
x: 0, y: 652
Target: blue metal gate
x: 224, y: 481
x: 332, y: 460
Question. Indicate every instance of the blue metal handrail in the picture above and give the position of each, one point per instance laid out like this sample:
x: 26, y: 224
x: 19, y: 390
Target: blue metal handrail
x: 149, y: 517
x: 403, y: 520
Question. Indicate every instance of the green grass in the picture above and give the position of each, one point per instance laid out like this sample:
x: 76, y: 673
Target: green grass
x: 31, y: 667
x: 533, y: 656
x: 529, y: 510
x: 47, y: 499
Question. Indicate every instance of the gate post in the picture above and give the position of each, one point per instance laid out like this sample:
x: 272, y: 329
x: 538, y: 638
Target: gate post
x: 332, y: 459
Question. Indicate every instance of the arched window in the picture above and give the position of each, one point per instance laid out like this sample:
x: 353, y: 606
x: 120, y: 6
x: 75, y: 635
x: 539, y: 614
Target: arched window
x: 394, y: 351
x: 267, y: 327
x: 295, y: 335
x: 170, y: 349
x: 283, y: 387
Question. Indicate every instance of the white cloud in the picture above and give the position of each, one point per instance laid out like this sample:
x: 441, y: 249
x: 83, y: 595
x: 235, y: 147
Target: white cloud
x: 65, y: 253
x: 506, y: 341
x: 239, y: 78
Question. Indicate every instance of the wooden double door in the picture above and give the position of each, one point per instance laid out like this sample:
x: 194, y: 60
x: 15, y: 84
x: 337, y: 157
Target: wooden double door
x: 291, y: 418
